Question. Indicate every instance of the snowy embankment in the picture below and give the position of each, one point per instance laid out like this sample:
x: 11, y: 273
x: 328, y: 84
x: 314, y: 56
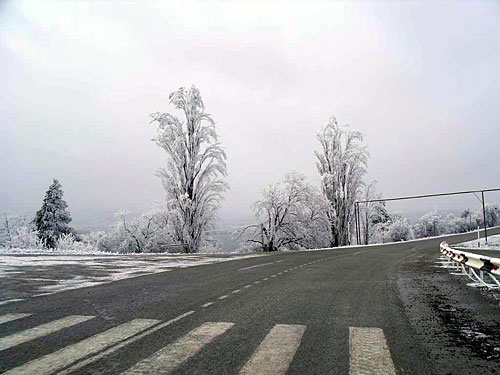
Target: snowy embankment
x: 28, y: 273
x: 493, y: 244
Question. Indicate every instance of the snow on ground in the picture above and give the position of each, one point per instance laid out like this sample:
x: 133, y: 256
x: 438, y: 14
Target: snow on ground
x: 29, y: 274
x: 493, y: 244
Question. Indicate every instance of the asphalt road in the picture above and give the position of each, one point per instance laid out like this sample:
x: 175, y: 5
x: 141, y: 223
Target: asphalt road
x: 359, y: 310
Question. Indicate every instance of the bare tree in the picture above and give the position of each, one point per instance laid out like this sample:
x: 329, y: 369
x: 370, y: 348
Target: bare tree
x: 342, y: 163
x: 193, y: 177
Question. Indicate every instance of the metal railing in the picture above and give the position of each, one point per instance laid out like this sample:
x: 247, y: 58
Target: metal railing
x: 481, y: 269
x: 357, y: 221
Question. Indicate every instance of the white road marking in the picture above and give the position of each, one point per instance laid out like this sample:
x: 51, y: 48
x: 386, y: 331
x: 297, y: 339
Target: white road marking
x: 236, y: 291
x: 248, y: 286
x: 222, y: 297
x: 276, y: 351
x: 41, y: 330
x: 258, y: 265
x: 107, y: 352
x: 11, y: 300
x: 9, y: 317
x: 257, y: 282
x: 50, y: 363
x: 273, y: 275
x: 267, y: 278
x: 278, y: 261
x: 171, y: 356
x: 207, y: 304
x: 369, y: 352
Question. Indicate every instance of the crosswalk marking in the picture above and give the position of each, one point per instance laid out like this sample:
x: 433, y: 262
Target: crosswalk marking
x: 275, y: 353
x: 369, y: 352
x: 53, y: 362
x: 124, y: 343
x: 41, y: 330
x: 171, y: 356
x: 10, y: 317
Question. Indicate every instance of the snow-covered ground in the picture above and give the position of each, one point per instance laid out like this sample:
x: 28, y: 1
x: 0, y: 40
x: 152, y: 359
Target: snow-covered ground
x: 493, y: 244
x: 28, y: 274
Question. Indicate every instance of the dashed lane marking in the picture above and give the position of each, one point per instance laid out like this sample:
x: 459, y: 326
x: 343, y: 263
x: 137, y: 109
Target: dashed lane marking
x: 41, y: 330
x: 223, y: 297
x: 64, y: 357
x: 369, y: 353
x: 10, y: 317
x: 236, y: 291
x: 248, y: 286
x: 11, y: 300
x: 171, y: 356
x: 275, y: 353
x: 258, y: 265
x: 207, y: 304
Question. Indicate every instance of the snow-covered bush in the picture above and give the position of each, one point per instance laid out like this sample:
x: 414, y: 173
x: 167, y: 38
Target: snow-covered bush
x: 492, y: 212
x: 18, y: 232
x: 69, y: 243
x: 143, y: 234
x: 400, y: 230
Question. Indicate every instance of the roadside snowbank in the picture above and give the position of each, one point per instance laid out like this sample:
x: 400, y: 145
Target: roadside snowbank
x: 25, y: 274
x: 493, y: 244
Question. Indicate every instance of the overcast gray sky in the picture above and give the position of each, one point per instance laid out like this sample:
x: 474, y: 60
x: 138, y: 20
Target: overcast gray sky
x: 420, y: 80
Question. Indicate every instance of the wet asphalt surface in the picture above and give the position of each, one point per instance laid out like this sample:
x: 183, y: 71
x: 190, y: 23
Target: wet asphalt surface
x: 433, y: 322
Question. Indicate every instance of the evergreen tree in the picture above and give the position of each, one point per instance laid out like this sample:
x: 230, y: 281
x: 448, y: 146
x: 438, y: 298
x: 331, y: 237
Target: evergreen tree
x: 52, y: 219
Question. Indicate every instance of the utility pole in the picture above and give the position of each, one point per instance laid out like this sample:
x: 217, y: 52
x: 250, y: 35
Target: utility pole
x: 484, y: 220
x: 356, y: 221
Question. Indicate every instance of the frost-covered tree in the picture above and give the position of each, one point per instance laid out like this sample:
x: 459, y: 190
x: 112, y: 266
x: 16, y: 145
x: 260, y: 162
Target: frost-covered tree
x: 342, y: 163
x: 293, y: 215
x: 492, y: 212
x: 18, y: 232
x: 52, y: 219
x: 194, y: 175
x: 371, y: 213
x: 142, y: 234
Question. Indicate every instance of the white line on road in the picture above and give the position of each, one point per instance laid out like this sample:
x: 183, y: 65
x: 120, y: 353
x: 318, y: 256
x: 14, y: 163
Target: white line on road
x: 171, y: 356
x: 236, y: 291
x: 207, y: 304
x: 9, y: 317
x: 50, y: 363
x: 258, y: 265
x: 275, y: 353
x: 369, y: 352
x: 257, y: 282
x: 267, y: 278
x: 121, y: 345
x: 248, y: 286
x: 41, y: 330
x: 11, y: 300
x: 222, y: 297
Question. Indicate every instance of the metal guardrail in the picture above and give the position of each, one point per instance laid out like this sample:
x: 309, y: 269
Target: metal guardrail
x: 481, y: 269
